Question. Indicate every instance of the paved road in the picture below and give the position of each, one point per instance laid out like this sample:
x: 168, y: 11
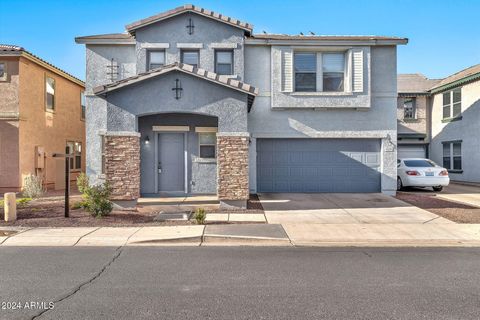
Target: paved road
x: 242, y: 283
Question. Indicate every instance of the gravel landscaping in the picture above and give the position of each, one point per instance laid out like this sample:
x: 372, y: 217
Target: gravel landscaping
x: 454, y: 211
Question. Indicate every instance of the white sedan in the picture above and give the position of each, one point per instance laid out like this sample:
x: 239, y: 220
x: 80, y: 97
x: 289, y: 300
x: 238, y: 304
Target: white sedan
x: 417, y: 172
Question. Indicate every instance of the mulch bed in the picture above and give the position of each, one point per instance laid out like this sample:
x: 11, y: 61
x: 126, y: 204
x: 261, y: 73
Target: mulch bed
x: 454, y: 211
x: 49, y: 212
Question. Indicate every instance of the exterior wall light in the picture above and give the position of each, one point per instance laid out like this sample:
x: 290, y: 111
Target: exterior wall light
x: 147, y: 140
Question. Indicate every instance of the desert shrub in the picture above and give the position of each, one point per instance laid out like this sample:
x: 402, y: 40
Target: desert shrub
x: 23, y: 202
x: 33, y: 187
x: 200, y: 216
x: 95, y: 198
x: 79, y: 205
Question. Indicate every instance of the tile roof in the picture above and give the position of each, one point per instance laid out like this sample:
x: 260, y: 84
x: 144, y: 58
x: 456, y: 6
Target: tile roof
x: 189, y: 8
x: 471, y: 73
x: 414, y: 83
x: 8, y: 49
x: 270, y: 36
x: 182, y: 67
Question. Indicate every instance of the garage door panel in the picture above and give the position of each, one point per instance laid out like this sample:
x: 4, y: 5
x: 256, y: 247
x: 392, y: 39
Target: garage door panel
x: 411, y: 151
x: 318, y: 165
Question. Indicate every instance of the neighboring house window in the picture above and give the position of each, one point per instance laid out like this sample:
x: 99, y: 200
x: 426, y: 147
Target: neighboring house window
x: 452, y: 103
x: 50, y: 93
x: 305, y: 71
x: 452, y: 155
x: 3, y: 71
x: 208, y: 144
x: 333, y: 66
x: 409, y: 108
x: 224, y: 62
x: 155, y: 59
x: 82, y: 105
x: 191, y: 57
x: 74, y: 149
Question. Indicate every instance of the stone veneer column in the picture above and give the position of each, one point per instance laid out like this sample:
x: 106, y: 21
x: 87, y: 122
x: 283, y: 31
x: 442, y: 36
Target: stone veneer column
x: 122, y: 166
x: 232, y: 169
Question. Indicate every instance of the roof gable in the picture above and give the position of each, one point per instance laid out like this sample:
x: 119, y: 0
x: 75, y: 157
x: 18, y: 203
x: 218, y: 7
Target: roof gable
x: 467, y: 75
x: 247, y: 27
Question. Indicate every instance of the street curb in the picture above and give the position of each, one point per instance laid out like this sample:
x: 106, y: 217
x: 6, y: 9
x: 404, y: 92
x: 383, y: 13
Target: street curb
x: 390, y: 244
x: 212, y: 239
x: 170, y: 240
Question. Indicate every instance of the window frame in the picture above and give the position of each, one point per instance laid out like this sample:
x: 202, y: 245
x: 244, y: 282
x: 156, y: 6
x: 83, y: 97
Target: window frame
x: 451, y: 156
x: 200, y: 145
x: 232, y: 72
x: 451, y: 104
x: 149, y: 51
x: 183, y: 51
x: 83, y: 106
x: 414, y: 108
x: 4, y: 77
x: 315, y: 54
x: 47, y: 77
x: 77, y: 148
x: 344, y: 72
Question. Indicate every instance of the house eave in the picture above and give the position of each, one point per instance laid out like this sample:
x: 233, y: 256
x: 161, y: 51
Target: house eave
x: 454, y: 84
x: 311, y: 42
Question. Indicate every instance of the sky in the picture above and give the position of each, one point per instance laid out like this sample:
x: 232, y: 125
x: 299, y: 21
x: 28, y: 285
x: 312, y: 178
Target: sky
x: 444, y: 36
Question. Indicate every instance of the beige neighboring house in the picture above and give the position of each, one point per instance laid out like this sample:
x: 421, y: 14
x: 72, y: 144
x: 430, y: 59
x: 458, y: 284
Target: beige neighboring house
x: 413, y: 115
x: 42, y: 112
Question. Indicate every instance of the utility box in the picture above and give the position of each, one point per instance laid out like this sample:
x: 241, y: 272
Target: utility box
x: 39, y: 157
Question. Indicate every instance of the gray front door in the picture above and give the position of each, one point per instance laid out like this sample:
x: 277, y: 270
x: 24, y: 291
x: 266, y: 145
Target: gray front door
x: 171, y: 163
x: 318, y: 165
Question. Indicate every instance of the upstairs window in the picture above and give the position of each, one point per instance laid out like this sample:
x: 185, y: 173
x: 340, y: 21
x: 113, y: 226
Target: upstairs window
x: 409, y: 108
x: 452, y: 103
x: 191, y: 57
x: 155, y: 59
x: 224, y: 62
x: 3, y: 71
x: 305, y: 71
x: 208, y: 144
x: 50, y: 93
x: 333, y: 67
x: 82, y: 105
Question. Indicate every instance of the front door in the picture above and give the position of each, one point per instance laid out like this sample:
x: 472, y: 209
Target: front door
x: 171, y: 163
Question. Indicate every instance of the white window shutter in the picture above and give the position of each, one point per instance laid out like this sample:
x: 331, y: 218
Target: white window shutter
x: 287, y: 70
x: 357, y: 71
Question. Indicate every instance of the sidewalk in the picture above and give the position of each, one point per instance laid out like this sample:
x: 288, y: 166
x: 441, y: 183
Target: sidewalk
x: 296, y: 234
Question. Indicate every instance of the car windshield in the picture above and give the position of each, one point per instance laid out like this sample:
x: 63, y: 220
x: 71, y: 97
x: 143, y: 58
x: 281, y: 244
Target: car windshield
x: 419, y: 163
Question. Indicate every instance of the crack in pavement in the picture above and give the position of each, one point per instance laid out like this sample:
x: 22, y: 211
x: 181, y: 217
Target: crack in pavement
x: 430, y: 220
x: 84, y: 284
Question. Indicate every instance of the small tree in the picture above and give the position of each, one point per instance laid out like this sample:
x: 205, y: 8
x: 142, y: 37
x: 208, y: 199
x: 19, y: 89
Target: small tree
x: 33, y: 187
x: 200, y: 216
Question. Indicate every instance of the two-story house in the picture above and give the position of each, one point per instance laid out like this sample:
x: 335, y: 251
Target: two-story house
x: 42, y: 111
x: 190, y: 101
x: 455, y: 129
x: 413, y: 114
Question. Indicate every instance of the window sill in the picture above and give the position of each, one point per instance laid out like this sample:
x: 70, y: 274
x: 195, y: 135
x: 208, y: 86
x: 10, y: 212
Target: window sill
x: 228, y: 76
x: 411, y: 120
x: 455, y: 171
x: 52, y: 111
x: 446, y: 120
x: 322, y: 94
x: 204, y: 160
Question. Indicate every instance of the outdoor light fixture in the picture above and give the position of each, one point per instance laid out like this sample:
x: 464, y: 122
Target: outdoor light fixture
x: 147, y: 140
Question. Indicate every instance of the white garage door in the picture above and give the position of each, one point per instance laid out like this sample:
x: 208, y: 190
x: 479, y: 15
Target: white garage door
x: 415, y: 151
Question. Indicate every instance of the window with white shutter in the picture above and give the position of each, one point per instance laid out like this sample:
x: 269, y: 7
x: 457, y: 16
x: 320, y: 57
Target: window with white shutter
x: 287, y: 71
x: 357, y: 71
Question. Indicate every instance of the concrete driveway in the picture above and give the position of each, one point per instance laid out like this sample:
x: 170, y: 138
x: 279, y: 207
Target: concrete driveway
x: 342, y: 208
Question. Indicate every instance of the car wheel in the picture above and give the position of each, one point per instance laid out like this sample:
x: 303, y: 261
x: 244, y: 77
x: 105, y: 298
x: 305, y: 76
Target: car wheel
x: 438, y: 189
x: 399, y: 184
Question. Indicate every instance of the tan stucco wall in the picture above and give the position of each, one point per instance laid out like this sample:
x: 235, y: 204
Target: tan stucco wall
x: 421, y: 123
x: 39, y: 127
x: 9, y: 162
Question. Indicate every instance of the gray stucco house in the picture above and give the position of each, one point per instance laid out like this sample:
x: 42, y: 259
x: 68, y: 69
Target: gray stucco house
x: 190, y: 101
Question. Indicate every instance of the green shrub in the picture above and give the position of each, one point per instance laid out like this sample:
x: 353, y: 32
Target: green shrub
x: 33, y: 187
x: 79, y: 205
x: 95, y: 198
x: 23, y: 201
x: 200, y: 216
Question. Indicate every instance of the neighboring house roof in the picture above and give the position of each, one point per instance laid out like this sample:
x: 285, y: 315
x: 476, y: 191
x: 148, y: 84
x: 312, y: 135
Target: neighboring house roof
x: 338, y: 38
x: 189, y: 8
x: 414, y: 83
x: 117, y: 38
x: 185, y: 68
x: 467, y: 75
x: 13, y: 50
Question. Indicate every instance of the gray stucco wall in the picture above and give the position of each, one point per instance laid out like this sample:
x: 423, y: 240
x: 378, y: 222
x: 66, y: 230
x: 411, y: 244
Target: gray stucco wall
x: 207, y: 32
x: 379, y: 121
x: 467, y: 129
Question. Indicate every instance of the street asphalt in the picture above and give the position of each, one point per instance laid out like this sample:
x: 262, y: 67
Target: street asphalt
x: 239, y: 283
